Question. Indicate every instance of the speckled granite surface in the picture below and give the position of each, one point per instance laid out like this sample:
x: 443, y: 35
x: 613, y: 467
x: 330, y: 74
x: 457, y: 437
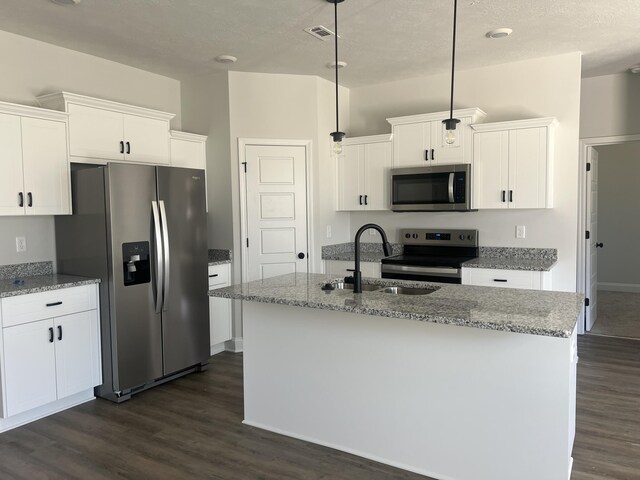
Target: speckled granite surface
x: 219, y: 256
x: 25, y: 270
x: 369, y: 252
x: 42, y: 283
x: 522, y: 311
x: 507, y: 258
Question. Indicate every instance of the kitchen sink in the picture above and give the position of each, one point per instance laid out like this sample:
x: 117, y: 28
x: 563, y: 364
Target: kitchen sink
x: 407, y: 290
x: 349, y: 286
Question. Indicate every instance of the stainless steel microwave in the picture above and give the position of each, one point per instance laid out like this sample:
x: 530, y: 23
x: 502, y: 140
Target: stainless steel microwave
x: 441, y: 188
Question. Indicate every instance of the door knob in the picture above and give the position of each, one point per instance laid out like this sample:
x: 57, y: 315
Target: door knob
x: 599, y: 245
x: 301, y: 255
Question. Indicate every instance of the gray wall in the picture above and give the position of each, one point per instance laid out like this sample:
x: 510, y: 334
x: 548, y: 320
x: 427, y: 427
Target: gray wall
x: 31, y: 68
x: 618, y: 218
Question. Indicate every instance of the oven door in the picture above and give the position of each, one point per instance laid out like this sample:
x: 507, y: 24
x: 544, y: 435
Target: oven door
x: 423, y: 274
x: 431, y: 189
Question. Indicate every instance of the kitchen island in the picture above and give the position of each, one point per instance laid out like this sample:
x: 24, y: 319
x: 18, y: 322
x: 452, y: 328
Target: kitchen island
x: 464, y: 383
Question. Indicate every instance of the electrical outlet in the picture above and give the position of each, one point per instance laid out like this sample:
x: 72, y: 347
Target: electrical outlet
x: 21, y: 244
x: 521, y: 231
x: 328, y: 231
x: 373, y: 232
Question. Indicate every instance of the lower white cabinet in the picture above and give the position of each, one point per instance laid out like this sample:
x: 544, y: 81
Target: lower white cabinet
x: 341, y: 268
x: 220, y: 313
x: 489, y: 277
x: 50, y: 351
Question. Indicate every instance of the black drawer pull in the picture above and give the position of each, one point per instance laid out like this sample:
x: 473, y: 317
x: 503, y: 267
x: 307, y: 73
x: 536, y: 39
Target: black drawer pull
x: 433, y: 154
x: 50, y: 334
x: 366, y: 202
x: 121, y: 146
x: 504, y: 196
x: 29, y: 200
x: 214, y: 275
x: 426, y: 154
x: 128, y: 148
x: 20, y: 199
x: 511, y: 195
x: 59, y: 332
x: 360, y: 199
x: 53, y: 304
x: 500, y: 280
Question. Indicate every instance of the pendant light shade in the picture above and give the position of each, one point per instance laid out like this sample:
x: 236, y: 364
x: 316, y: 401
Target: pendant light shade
x: 337, y: 135
x: 451, y: 123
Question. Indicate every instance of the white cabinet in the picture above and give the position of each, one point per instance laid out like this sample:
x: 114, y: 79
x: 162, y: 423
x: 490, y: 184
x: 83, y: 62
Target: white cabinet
x: 102, y: 131
x: 419, y: 140
x: 341, y: 268
x: 35, y: 162
x: 490, y: 277
x: 513, y: 164
x: 220, y: 313
x: 188, y: 150
x: 50, y: 349
x: 363, y: 173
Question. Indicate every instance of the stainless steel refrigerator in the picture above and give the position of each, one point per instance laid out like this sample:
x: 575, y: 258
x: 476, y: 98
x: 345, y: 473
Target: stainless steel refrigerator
x: 142, y: 231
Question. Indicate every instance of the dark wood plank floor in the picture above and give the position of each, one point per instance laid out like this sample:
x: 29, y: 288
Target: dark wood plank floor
x: 191, y: 428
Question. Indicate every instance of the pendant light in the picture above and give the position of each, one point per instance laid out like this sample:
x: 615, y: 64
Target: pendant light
x: 451, y: 123
x: 337, y: 135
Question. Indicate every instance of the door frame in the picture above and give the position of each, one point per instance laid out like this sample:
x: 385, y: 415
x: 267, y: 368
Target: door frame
x: 583, y: 221
x: 274, y: 142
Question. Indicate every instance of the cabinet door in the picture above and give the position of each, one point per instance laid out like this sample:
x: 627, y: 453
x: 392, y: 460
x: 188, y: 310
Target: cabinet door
x: 11, y: 180
x: 187, y: 154
x: 29, y: 366
x: 95, y: 133
x: 46, y: 167
x: 490, y: 169
x: 528, y: 167
x: 76, y: 341
x: 219, y: 320
x: 410, y: 142
x: 350, y: 178
x: 377, y: 163
x: 147, y: 140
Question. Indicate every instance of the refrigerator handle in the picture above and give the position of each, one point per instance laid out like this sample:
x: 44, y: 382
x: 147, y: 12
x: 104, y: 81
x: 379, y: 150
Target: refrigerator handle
x: 158, y: 250
x: 165, y: 244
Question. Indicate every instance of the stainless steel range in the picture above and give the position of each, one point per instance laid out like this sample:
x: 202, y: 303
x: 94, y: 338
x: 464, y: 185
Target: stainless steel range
x: 434, y: 255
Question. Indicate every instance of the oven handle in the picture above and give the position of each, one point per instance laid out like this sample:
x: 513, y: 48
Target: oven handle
x: 443, y: 271
x: 451, y: 198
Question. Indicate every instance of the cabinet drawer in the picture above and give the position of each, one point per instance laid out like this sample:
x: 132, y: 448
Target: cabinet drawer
x: 502, y: 278
x: 53, y: 303
x: 218, y: 275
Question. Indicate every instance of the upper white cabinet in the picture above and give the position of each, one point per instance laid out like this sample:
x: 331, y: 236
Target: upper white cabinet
x: 363, y: 173
x: 419, y: 140
x: 34, y: 160
x: 513, y: 164
x: 101, y: 130
x: 188, y: 150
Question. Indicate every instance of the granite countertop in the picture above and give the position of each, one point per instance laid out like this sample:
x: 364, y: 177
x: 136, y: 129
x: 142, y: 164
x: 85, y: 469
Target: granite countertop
x: 511, y: 263
x: 369, y: 252
x: 533, y: 312
x: 218, y: 256
x: 42, y: 283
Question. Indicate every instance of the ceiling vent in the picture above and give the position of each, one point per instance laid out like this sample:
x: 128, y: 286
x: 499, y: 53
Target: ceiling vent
x: 320, y: 32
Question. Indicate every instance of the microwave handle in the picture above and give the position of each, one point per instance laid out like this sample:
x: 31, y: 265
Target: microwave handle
x: 451, y: 197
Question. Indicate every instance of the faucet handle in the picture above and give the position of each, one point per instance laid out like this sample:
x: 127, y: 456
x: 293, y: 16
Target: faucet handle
x: 350, y: 270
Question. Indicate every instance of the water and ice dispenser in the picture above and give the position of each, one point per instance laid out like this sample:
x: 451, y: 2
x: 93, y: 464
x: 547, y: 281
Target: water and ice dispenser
x: 136, y: 263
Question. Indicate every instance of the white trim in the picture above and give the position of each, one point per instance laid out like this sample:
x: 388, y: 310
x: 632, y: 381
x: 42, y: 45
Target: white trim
x: 234, y: 345
x: 60, y: 101
x: 242, y: 144
x: 191, y: 137
x: 585, y: 144
x: 216, y: 349
x: 476, y: 114
x: 36, y: 112
x: 385, y: 137
x: 516, y: 124
x: 619, y: 287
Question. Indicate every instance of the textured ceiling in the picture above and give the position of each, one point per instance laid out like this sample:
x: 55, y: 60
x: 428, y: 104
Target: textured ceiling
x: 382, y: 40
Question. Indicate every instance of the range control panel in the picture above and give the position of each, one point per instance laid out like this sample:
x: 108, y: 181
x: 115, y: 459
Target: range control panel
x: 428, y: 236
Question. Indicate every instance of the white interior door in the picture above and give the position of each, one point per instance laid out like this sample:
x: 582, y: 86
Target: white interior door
x: 591, y: 270
x: 276, y: 211
x: 11, y: 181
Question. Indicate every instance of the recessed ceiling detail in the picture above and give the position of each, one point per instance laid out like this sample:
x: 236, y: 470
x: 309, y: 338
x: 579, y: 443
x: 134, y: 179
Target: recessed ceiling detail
x: 226, y: 59
x: 341, y: 64
x: 499, y: 33
x: 66, y: 2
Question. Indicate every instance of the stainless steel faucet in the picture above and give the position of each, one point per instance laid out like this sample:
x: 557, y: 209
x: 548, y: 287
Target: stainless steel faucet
x: 386, y: 246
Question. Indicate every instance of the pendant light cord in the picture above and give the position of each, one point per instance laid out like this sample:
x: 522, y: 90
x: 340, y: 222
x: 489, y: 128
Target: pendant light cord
x: 335, y: 5
x: 453, y: 54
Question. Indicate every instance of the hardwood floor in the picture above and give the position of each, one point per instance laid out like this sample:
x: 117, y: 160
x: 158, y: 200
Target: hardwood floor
x: 191, y: 429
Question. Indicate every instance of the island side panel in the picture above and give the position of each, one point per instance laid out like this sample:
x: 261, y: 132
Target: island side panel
x: 445, y: 401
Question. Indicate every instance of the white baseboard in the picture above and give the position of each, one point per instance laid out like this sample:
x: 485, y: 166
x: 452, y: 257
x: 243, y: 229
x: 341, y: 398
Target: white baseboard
x: 215, y: 349
x: 234, y: 345
x: 619, y: 287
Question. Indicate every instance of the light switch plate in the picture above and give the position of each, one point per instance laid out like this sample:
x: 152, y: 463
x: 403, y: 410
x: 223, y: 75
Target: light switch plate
x: 328, y: 231
x: 521, y: 231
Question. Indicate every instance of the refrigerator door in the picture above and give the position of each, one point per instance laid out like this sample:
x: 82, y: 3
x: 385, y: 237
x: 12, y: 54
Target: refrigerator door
x: 185, y: 312
x: 136, y: 328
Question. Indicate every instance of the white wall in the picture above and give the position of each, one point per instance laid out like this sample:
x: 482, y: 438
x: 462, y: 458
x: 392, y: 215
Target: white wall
x: 610, y: 105
x: 533, y: 88
x: 618, y: 226
x: 31, y: 68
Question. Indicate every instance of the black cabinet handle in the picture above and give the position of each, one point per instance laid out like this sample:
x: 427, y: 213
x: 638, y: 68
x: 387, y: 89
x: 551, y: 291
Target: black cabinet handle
x: 511, y: 195
x: 53, y: 304
x: 214, y: 275
x: 360, y: 199
x: 20, y: 199
x: 433, y: 154
x: 301, y: 255
x: 128, y: 147
x: 599, y: 245
x: 365, y: 199
x: 500, y: 280
x: 504, y: 196
x: 50, y: 334
x: 121, y: 146
x: 59, y: 332
x: 426, y: 154
x: 29, y: 199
